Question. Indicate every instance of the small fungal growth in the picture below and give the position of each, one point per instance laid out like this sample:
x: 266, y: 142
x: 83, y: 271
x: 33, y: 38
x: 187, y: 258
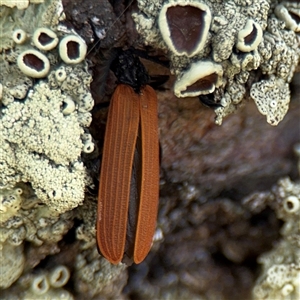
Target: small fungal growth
x: 291, y: 204
x: 19, y: 36
x: 72, y: 49
x: 10, y: 203
x: 184, y: 27
x: 88, y: 147
x: 59, y: 276
x: 46, y: 285
x: 289, y: 13
x: 40, y: 285
x: 68, y: 106
x: 45, y: 39
x: 272, y: 98
x: 249, y: 37
x: 61, y: 74
x: 33, y: 63
x: 201, y: 79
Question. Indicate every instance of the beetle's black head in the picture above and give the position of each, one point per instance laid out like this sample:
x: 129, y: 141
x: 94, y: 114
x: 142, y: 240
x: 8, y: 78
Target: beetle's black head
x: 129, y: 70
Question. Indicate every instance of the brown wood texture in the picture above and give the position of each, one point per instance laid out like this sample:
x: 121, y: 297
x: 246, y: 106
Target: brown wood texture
x: 127, y: 112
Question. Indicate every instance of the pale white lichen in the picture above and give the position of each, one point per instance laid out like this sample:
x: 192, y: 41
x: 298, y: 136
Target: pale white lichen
x: 49, y: 295
x: 43, y: 129
x: 291, y: 204
x: 68, y: 106
x: 202, y: 78
x: 88, y: 147
x: 34, y: 223
x: 45, y: 39
x: 272, y: 98
x: 33, y: 63
x: 40, y: 285
x: 41, y: 135
x: 91, y: 273
x: 249, y: 37
x: 60, y: 74
x: 34, y: 16
x: 279, y: 280
x: 14, y: 83
x: 19, y: 36
x: 20, y: 4
x: 188, y: 38
x: 72, y: 49
x: 33, y: 127
x: 10, y: 203
x: 45, y: 285
x: 280, y: 275
x: 42, y: 117
x: 289, y: 13
x: 12, y: 262
x: 59, y: 276
x: 61, y: 188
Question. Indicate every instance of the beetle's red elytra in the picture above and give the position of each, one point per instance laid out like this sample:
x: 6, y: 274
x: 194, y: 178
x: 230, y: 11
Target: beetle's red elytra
x: 129, y: 179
